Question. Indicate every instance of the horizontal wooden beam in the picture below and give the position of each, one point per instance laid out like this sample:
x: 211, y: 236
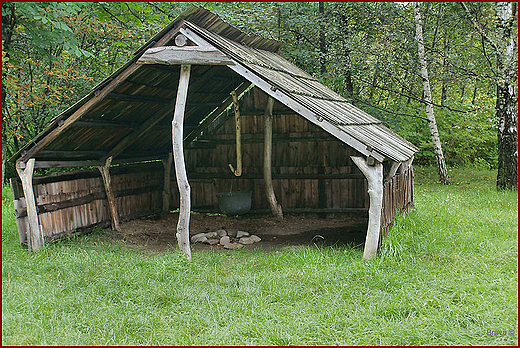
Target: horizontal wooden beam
x: 69, y: 154
x: 211, y: 176
x: 207, y: 209
x: 140, y: 98
x: 66, y: 164
x: 192, y: 55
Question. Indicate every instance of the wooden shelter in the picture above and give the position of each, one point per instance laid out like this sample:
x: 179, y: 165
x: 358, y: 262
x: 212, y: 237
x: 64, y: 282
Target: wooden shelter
x: 210, y: 98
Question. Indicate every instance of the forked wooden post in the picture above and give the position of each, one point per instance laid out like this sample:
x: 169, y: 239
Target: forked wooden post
x: 107, y: 182
x: 35, y: 239
x: 167, y: 163
x: 374, y: 175
x: 183, y: 225
x: 238, y: 136
x: 276, y: 208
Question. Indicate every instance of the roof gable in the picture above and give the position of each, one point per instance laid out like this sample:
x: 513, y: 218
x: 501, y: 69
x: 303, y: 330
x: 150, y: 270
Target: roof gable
x: 138, y: 100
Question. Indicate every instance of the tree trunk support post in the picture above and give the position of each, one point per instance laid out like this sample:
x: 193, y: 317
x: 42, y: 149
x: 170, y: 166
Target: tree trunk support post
x: 167, y: 163
x: 25, y: 171
x: 238, y: 135
x: 276, y: 208
x: 107, y: 182
x: 374, y: 175
x: 183, y: 225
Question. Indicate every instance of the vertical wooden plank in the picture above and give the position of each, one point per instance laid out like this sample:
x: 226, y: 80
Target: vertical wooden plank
x: 167, y: 163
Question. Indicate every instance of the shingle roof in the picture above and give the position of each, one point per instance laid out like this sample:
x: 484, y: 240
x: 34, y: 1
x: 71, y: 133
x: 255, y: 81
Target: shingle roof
x: 92, y: 128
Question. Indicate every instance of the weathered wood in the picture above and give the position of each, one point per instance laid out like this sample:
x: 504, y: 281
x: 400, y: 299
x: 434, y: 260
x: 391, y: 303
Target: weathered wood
x: 174, y: 55
x: 393, y: 169
x: 214, y: 114
x: 276, y: 209
x: 69, y: 154
x: 288, y: 101
x: 183, y: 232
x: 374, y: 175
x: 20, y: 208
x: 180, y: 40
x: 303, y: 176
x: 238, y: 170
x: 105, y: 174
x: 167, y: 163
x: 25, y: 172
x: 138, y: 98
x: 98, y: 96
x: 139, y: 132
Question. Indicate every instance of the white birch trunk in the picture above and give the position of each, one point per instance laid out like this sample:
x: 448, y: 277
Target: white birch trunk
x: 183, y: 225
x: 432, y: 123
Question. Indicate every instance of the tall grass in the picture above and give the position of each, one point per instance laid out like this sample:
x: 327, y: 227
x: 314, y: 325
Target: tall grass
x: 446, y: 274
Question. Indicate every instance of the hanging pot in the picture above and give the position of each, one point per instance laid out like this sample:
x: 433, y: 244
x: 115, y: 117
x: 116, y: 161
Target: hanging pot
x: 234, y: 202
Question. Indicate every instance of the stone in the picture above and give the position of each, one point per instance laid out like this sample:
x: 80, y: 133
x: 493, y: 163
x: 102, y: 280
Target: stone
x: 199, y: 238
x: 211, y: 234
x: 250, y: 240
x: 232, y: 246
x: 222, y: 233
x: 241, y: 234
x: 225, y: 240
x: 212, y: 241
x: 255, y: 238
x: 245, y: 240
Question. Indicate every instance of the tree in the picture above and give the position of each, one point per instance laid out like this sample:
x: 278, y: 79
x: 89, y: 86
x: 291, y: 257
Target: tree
x: 432, y: 123
x: 505, y: 49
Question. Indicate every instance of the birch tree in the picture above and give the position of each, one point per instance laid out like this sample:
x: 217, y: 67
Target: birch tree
x: 430, y: 115
x: 505, y: 49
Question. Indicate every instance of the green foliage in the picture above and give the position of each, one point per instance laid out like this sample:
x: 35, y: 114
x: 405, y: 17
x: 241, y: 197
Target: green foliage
x: 446, y: 274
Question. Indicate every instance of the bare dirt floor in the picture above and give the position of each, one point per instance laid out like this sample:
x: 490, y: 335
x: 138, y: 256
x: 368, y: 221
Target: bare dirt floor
x: 157, y: 233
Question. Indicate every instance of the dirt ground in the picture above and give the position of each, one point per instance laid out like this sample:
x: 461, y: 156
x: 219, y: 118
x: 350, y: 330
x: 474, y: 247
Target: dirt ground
x: 157, y: 233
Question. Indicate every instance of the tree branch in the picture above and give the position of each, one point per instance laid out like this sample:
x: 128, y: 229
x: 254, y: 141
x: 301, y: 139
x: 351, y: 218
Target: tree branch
x: 418, y: 99
x: 479, y: 27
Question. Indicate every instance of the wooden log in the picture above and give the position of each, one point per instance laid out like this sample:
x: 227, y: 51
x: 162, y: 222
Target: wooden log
x: 393, y: 169
x: 167, y: 163
x: 25, y: 172
x: 214, y: 114
x: 374, y: 175
x: 276, y: 209
x: 105, y: 174
x: 186, y: 55
x: 238, y: 170
x: 183, y: 232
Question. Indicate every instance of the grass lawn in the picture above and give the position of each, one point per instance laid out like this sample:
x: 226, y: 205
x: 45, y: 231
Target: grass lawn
x: 446, y: 275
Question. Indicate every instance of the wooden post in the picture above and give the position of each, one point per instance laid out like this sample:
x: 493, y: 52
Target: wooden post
x: 105, y: 175
x: 183, y: 225
x: 238, y: 171
x: 276, y: 208
x: 25, y: 171
x: 167, y: 163
x: 374, y: 175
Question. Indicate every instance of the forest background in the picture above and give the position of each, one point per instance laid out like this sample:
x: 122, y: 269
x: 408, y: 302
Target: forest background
x: 55, y: 53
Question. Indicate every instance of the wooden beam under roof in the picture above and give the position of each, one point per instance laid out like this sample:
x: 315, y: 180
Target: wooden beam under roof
x: 193, y: 55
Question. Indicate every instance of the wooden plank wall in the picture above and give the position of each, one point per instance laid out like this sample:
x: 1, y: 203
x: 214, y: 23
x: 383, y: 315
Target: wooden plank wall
x: 68, y: 202
x: 312, y: 170
x: 397, y: 196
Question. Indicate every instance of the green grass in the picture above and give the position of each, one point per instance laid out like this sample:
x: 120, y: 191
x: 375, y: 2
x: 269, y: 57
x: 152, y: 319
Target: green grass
x: 446, y: 274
